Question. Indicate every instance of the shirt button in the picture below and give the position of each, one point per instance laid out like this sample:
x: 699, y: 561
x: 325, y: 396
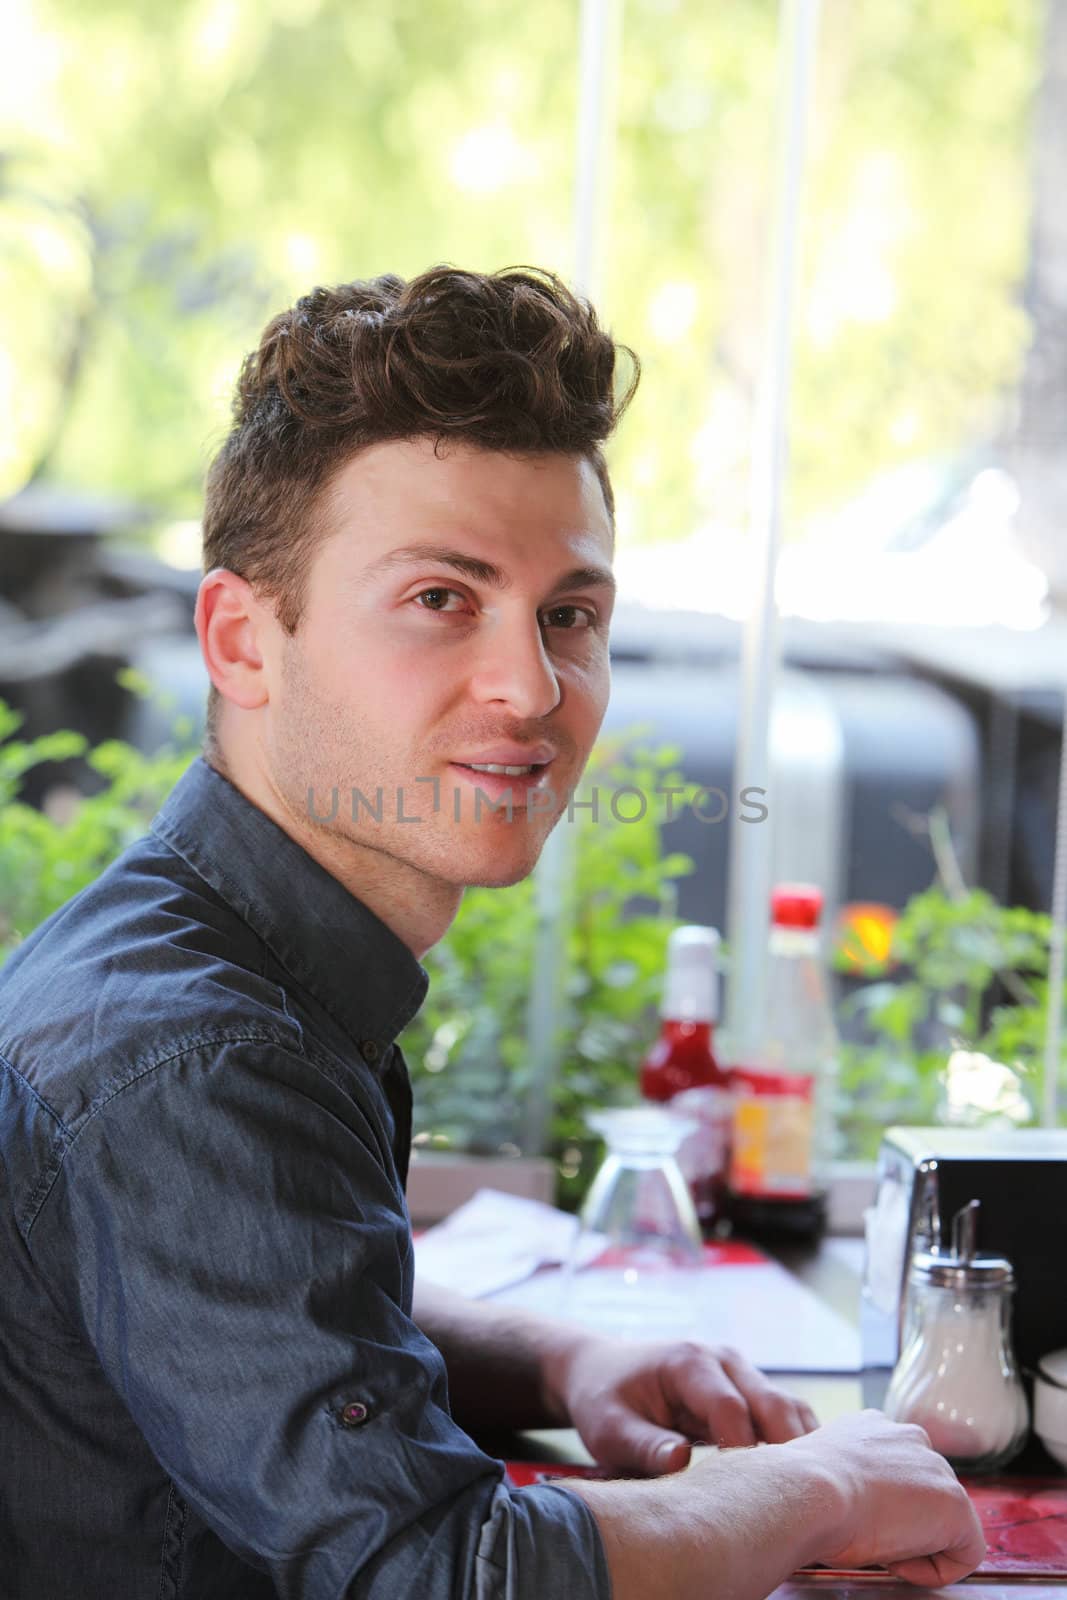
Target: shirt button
x: 353, y: 1414
x: 370, y: 1049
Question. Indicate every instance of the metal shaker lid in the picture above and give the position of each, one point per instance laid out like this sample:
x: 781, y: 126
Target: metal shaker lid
x: 946, y: 1272
x: 959, y: 1267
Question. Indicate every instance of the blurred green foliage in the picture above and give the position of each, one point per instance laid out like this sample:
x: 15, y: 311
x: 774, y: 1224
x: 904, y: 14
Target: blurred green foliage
x: 171, y: 173
x: 964, y: 972
x: 47, y: 858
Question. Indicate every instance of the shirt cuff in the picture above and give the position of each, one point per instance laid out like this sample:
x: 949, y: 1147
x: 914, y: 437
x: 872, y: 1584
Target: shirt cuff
x: 539, y: 1541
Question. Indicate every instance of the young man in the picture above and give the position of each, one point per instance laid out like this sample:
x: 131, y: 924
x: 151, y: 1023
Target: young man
x: 219, y: 1378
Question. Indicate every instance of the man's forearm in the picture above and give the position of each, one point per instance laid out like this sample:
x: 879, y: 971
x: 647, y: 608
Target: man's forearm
x: 861, y: 1492
x: 500, y: 1362
x: 734, y: 1528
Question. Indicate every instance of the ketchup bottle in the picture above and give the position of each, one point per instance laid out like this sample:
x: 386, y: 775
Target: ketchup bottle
x: 681, y: 1067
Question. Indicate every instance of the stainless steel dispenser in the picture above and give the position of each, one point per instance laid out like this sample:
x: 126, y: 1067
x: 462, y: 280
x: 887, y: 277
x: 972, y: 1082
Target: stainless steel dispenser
x: 926, y: 1175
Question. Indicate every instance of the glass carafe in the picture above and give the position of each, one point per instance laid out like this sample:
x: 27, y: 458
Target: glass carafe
x: 638, y: 1239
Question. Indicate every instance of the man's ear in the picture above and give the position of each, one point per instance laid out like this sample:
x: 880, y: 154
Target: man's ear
x: 229, y: 624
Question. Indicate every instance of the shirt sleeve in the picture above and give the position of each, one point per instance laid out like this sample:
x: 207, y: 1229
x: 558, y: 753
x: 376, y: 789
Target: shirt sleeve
x: 226, y: 1233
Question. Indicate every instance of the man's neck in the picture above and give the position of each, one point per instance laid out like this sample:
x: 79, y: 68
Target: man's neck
x: 415, y: 906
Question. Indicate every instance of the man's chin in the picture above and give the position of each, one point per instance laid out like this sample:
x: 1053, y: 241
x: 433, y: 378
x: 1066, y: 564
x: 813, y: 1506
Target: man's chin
x: 495, y: 868
x: 499, y: 880
x: 497, y: 874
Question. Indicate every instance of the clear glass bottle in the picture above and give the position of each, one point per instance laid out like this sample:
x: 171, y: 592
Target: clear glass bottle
x: 783, y: 1100
x: 956, y: 1375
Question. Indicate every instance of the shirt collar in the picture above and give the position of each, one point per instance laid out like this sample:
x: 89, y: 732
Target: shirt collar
x: 331, y: 942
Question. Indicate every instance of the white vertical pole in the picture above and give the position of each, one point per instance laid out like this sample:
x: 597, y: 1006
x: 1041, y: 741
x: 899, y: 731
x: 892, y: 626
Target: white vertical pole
x: 599, y: 28
x: 1057, y: 944
x: 546, y: 1011
x: 751, y: 843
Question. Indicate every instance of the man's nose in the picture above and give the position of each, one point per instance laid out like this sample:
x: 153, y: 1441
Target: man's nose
x: 514, y: 667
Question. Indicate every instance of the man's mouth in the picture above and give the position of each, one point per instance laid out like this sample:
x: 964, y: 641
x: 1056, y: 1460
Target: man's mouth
x: 497, y: 780
x: 511, y: 772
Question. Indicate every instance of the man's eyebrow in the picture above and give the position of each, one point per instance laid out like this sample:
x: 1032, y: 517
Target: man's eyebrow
x: 483, y: 571
x: 585, y: 578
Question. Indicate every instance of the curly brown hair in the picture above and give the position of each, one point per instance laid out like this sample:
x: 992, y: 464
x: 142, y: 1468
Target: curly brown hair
x: 509, y: 361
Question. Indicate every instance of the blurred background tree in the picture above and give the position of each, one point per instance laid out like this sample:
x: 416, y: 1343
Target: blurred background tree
x: 171, y: 173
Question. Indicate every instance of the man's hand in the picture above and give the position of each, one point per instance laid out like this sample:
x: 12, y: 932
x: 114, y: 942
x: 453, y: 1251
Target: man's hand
x: 640, y: 1407
x: 863, y: 1491
x: 512, y: 1369
x: 901, y: 1504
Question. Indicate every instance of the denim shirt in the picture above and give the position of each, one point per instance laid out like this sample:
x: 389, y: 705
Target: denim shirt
x: 210, y: 1380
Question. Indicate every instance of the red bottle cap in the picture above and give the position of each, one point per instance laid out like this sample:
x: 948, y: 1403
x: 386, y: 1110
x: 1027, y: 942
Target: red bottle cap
x: 796, y: 905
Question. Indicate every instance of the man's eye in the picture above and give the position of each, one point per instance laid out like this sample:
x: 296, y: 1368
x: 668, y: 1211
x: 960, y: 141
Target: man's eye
x: 438, y: 597
x: 571, y: 618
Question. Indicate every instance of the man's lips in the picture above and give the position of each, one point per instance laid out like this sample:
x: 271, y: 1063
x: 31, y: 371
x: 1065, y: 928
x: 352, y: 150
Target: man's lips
x: 496, y: 785
x: 510, y: 755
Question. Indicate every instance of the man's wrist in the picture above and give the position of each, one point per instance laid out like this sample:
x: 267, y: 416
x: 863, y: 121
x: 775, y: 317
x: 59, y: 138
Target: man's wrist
x: 528, y: 1357
x: 743, y: 1520
x: 830, y: 1503
x: 559, y: 1347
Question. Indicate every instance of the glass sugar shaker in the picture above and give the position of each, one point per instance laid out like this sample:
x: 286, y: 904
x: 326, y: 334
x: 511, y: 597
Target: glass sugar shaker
x: 956, y: 1375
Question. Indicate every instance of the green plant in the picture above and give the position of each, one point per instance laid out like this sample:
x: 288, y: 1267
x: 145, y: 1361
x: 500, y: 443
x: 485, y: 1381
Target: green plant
x: 46, y: 857
x: 467, y: 1049
x: 965, y: 977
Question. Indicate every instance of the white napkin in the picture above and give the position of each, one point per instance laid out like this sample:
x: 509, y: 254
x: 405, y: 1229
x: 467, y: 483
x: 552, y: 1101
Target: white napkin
x: 498, y: 1239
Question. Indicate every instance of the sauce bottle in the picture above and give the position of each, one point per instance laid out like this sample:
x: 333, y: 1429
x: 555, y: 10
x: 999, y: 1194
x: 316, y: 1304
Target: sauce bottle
x: 681, y: 1067
x: 783, y: 1100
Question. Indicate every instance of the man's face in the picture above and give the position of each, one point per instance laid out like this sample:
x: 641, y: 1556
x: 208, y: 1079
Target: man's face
x: 457, y: 612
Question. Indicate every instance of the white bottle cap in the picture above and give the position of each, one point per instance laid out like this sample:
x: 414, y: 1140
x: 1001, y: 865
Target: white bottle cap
x: 691, y: 990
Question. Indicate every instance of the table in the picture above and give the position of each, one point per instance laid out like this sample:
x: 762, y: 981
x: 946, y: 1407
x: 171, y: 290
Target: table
x: 832, y: 1271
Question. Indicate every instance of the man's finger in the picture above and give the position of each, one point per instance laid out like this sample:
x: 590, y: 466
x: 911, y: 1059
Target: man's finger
x: 640, y: 1446
x: 706, y: 1391
x: 934, y: 1572
x: 954, y: 1563
x: 777, y: 1416
x: 808, y: 1417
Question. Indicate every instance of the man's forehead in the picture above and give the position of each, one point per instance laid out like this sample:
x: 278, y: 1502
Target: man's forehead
x: 402, y: 501
x: 410, y: 467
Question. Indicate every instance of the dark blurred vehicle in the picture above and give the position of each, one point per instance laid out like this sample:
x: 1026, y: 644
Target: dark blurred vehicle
x: 76, y: 606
